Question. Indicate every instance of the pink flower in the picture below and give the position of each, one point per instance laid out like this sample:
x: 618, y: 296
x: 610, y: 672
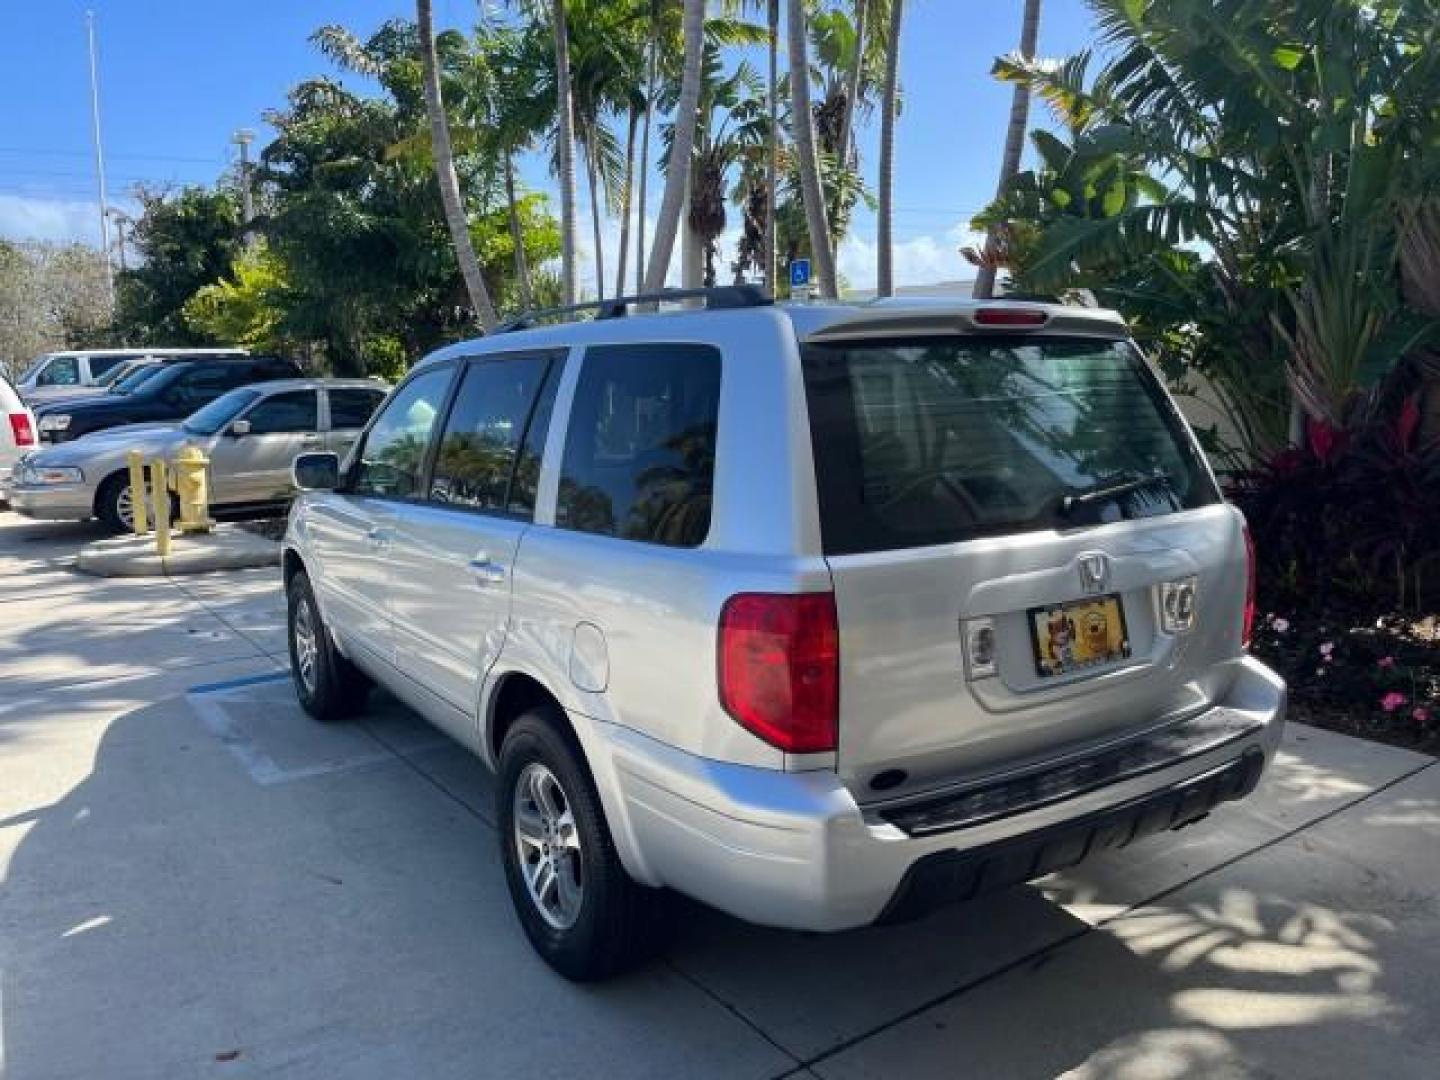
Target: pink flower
x: 1280, y: 625
x: 1393, y: 700
x: 1386, y: 662
x: 1326, y: 649
x: 1421, y: 715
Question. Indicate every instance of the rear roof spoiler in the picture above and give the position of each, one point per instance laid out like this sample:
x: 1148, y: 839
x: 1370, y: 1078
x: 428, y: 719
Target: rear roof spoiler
x: 868, y: 322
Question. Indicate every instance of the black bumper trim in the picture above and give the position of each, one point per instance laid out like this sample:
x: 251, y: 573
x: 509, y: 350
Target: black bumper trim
x: 946, y: 877
x: 1047, y: 785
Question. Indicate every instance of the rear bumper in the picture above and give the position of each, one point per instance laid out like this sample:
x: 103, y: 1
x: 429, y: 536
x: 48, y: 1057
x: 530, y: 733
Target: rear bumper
x: 795, y: 850
x: 54, y: 502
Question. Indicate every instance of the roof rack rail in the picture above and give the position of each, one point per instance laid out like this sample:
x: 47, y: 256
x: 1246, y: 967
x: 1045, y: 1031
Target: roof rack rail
x: 718, y: 297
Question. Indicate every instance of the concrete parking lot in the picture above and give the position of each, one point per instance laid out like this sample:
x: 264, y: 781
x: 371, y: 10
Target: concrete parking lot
x: 196, y: 881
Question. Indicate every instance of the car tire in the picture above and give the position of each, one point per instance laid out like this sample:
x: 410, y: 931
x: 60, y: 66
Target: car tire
x: 329, y: 687
x: 585, y: 916
x: 110, y: 501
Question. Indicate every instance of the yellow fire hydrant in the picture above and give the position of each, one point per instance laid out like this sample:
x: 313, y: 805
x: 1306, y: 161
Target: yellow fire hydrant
x: 192, y: 489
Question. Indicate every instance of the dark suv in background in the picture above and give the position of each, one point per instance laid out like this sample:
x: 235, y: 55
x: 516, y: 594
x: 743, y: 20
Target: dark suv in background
x: 170, y: 393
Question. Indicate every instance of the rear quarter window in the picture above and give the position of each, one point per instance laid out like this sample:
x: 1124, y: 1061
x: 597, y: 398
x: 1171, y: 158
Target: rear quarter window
x: 639, y: 458
x: 928, y: 442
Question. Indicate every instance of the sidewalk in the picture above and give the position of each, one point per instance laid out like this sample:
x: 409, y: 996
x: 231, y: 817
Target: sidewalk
x: 197, y: 881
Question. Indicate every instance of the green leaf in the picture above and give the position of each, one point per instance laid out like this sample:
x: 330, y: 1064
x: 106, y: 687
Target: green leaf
x: 1288, y: 57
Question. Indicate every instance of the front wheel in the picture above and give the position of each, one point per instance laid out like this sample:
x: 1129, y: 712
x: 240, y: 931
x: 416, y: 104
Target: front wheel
x: 328, y: 686
x: 582, y: 912
x: 115, y: 504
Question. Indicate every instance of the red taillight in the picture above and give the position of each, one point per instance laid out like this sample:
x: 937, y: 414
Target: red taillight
x: 1008, y: 316
x: 1247, y: 630
x: 779, y: 668
x: 21, y: 429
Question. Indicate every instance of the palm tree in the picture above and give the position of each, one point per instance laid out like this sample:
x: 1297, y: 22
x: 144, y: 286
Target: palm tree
x: 677, y: 177
x: 772, y: 155
x: 885, y: 270
x: 852, y: 85
x: 1014, y: 137
x: 652, y: 49
x: 445, y: 172
x: 809, y: 163
x: 730, y: 127
x: 565, y: 148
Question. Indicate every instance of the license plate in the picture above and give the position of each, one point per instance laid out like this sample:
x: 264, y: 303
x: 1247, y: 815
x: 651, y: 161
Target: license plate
x: 1078, y: 635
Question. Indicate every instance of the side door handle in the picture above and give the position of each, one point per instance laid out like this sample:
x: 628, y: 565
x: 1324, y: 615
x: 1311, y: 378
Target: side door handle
x: 486, y: 572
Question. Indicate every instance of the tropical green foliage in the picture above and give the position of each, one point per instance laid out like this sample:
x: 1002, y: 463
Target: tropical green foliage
x: 185, y: 240
x: 1235, y: 177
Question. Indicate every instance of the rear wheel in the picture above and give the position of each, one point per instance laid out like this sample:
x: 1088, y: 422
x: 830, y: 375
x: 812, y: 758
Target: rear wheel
x: 581, y: 911
x: 329, y: 687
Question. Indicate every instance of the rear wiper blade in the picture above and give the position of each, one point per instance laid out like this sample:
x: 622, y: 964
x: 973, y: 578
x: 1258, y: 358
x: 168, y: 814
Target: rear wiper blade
x: 1107, y: 492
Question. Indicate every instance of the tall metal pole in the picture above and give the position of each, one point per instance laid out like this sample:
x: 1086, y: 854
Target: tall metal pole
x: 99, y: 157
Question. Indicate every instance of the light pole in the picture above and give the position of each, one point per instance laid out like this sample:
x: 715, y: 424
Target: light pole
x: 99, y: 157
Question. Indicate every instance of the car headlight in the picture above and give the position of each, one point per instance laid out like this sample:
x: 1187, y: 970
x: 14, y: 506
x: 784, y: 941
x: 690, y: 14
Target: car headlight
x: 54, y: 423
x: 51, y: 474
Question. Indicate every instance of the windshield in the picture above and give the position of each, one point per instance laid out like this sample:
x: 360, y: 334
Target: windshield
x: 35, y: 366
x: 935, y: 442
x: 132, y: 381
x: 218, y: 413
x: 118, y: 372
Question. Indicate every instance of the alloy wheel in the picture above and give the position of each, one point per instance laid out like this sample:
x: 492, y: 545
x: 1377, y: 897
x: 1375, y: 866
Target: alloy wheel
x: 547, y: 842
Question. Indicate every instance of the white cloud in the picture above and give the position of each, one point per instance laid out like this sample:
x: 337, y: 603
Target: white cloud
x: 26, y: 217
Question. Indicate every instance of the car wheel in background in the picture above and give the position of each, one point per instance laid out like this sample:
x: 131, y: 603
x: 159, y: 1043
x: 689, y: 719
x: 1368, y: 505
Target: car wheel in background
x: 115, y: 507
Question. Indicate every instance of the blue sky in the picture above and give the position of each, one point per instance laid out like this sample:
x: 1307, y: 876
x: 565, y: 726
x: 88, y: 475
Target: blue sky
x: 179, y: 76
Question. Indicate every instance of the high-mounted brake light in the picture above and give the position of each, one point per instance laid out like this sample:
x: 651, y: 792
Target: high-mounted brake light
x: 21, y: 429
x: 1247, y: 628
x: 1008, y: 316
x: 779, y: 668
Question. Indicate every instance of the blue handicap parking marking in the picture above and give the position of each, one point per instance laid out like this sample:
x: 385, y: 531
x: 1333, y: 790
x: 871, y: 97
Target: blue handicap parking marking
x: 800, y: 272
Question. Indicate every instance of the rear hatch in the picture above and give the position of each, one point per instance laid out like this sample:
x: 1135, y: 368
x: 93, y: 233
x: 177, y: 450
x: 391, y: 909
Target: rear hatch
x: 1006, y: 515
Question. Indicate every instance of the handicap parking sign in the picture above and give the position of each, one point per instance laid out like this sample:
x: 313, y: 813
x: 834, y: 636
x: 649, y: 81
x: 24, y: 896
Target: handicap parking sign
x: 799, y: 273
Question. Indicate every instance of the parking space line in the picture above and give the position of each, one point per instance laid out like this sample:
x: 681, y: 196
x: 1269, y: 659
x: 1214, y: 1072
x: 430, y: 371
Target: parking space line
x: 233, y: 684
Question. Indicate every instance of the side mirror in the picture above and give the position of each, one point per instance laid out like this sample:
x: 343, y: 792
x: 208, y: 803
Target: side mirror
x: 316, y: 472
x: 240, y: 428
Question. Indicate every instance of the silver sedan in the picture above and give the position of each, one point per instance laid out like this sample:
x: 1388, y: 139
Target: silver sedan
x: 251, y: 435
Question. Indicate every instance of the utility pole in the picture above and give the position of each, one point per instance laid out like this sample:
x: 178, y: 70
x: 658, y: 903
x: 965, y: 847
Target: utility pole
x: 99, y: 158
x: 243, y: 138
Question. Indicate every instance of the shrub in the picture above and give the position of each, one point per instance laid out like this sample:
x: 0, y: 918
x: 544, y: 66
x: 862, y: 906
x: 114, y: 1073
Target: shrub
x: 1348, y: 525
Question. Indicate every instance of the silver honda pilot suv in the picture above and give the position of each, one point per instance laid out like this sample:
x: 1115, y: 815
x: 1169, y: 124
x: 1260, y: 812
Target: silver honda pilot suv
x: 823, y: 615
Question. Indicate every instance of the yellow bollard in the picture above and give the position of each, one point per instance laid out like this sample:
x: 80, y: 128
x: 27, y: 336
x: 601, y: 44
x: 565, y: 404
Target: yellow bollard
x: 162, y: 507
x: 139, y: 520
x: 192, y: 487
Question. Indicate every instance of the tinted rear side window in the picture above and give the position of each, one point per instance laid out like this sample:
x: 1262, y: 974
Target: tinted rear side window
x: 478, y: 450
x: 352, y: 408
x: 934, y: 442
x: 640, y: 448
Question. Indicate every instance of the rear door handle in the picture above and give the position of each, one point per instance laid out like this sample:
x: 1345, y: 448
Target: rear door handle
x: 485, y: 571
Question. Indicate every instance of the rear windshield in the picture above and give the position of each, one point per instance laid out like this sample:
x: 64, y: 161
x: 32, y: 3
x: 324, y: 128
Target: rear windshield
x: 932, y: 442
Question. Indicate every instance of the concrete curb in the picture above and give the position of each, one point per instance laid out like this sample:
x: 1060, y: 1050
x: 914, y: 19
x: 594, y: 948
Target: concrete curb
x: 227, y: 548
